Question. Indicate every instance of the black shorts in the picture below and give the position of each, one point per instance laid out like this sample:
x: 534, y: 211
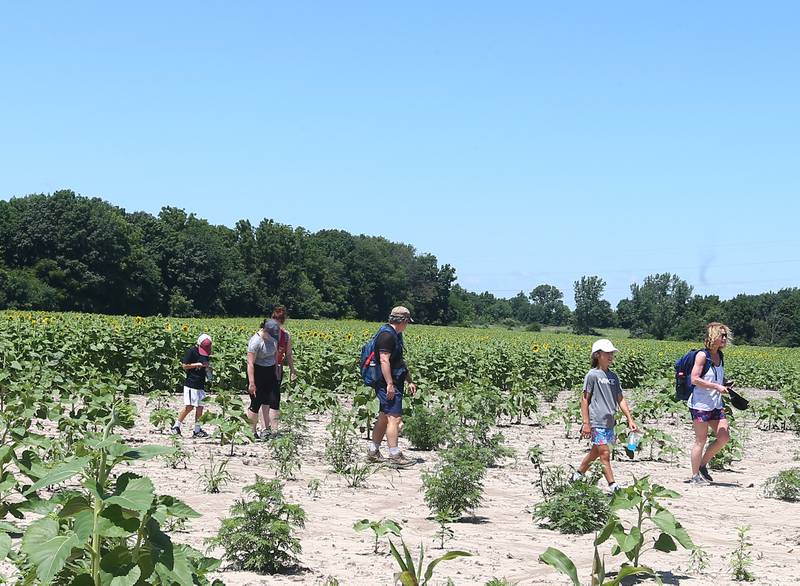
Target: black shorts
x: 268, y: 389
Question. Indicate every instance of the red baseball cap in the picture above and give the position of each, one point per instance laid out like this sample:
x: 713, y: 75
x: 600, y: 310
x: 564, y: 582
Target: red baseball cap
x: 204, y: 344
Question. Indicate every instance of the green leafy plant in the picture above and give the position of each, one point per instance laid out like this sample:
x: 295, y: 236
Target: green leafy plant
x: 215, y: 475
x: 286, y: 454
x: 784, y: 486
x: 579, y: 507
x: 643, y: 497
x: 499, y: 582
x: 110, y: 529
x: 178, y: 457
x: 560, y: 561
x: 427, y: 429
x: 379, y: 529
x: 698, y: 561
x: 313, y: 487
x: 232, y: 427
x: 741, y: 558
x: 411, y: 573
x: 444, y: 532
x: 259, y: 534
x: 733, y: 450
x: 455, y: 486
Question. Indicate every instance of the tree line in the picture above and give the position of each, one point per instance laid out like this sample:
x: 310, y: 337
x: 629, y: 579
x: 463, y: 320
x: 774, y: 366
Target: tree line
x: 71, y: 253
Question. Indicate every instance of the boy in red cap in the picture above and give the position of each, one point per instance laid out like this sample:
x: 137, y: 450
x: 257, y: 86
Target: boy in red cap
x: 195, y: 363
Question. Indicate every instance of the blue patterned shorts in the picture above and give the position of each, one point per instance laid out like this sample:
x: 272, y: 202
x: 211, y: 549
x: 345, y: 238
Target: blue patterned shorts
x: 602, y: 436
x: 705, y: 416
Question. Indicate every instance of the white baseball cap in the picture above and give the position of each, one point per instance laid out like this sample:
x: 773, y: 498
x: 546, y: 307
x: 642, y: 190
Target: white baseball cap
x: 603, y: 345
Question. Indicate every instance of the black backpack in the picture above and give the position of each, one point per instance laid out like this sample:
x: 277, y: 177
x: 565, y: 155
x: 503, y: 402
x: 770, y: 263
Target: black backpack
x: 683, y: 372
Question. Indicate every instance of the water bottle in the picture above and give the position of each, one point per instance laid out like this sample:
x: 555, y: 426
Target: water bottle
x: 209, y: 373
x: 634, y: 438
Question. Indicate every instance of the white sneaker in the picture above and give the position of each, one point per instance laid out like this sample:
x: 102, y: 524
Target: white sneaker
x: 576, y: 476
x: 613, y: 487
x: 698, y: 480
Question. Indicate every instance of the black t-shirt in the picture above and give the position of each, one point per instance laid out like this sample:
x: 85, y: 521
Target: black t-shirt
x: 195, y: 377
x: 387, y: 342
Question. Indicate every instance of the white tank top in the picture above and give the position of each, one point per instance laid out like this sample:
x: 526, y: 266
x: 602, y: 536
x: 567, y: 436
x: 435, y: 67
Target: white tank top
x: 706, y: 399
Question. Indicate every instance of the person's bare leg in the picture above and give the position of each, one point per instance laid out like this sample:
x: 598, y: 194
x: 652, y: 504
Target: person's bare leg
x: 700, y: 438
x: 723, y: 435
x: 604, y: 453
x: 274, y: 418
x: 184, y: 412
x: 380, y: 429
x: 392, y: 430
x: 588, y: 459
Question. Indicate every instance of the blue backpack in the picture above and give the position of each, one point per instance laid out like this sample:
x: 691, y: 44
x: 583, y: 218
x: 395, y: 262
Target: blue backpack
x: 683, y: 372
x: 370, y: 363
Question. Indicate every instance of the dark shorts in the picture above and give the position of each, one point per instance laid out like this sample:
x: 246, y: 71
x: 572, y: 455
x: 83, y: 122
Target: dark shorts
x: 393, y: 407
x: 713, y: 415
x: 268, y: 389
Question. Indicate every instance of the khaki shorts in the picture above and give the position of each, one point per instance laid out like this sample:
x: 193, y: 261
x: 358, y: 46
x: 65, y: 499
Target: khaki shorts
x: 193, y: 397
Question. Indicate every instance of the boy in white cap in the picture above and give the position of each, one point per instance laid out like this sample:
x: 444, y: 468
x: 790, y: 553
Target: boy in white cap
x: 195, y: 363
x: 601, y: 395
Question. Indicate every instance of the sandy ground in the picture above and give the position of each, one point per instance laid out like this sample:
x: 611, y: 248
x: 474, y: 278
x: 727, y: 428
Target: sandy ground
x: 503, y: 538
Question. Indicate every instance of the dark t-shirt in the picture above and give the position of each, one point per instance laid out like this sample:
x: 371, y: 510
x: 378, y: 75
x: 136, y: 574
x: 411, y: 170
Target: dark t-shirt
x: 195, y: 377
x: 388, y: 343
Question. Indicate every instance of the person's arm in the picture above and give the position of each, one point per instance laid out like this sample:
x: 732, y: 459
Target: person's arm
x: 697, y: 375
x: 623, y: 406
x: 386, y: 371
x: 290, y: 358
x: 251, y: 373
x: 187, y: 365
x: 586, y: 426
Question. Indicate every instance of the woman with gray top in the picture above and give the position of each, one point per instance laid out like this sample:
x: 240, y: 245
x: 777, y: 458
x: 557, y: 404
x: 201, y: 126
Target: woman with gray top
x: 263, y: 385
x: 602, y: 393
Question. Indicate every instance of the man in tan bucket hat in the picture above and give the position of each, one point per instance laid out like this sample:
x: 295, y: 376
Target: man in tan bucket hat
x: 389, y: 347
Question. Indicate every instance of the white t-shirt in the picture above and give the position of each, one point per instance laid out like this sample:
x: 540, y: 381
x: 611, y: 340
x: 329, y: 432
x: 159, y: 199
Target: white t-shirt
x: 706, y: 399
x: 263, y: 349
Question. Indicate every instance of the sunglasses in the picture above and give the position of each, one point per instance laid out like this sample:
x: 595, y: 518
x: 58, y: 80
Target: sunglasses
x: 724, y: 336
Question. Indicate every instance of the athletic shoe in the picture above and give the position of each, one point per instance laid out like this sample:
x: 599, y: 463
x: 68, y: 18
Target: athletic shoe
x: 613, y: 487
x: 176, y: 431
x: 576, y: 476
x: 698, y: 480
x: 264, y: 435
x: 374, y: 456
x: 399, y: 460
x: 199, y: 433
x: 704, y: 473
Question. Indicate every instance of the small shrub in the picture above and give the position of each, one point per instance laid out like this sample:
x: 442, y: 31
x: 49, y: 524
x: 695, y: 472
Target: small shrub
x: 427, y: 429
x: 313, y: 487
x: 455, y: 486
x: 578, y: 508
x: 379, y: 529
x: 741, y: 558
x: 784, y: 486
x: 286, y: 454
x: 215, y: 476
x: 499, y: 581
x: 259, y: 534
x: 341, y: 445
x: 179, y: 456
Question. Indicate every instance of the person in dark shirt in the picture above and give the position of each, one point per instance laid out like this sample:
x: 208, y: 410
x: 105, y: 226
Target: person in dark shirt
x: 389, y: 347
x: 195, y: 363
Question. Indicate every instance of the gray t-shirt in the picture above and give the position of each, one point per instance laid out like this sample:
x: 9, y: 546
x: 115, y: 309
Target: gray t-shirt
x: 604, y: 392
x: 263, y: 349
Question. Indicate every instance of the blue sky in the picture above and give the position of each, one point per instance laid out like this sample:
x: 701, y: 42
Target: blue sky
x: 521, y: 142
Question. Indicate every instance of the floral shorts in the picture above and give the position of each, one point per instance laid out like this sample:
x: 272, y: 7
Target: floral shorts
x: 602, y: 436
x: 713, y: 415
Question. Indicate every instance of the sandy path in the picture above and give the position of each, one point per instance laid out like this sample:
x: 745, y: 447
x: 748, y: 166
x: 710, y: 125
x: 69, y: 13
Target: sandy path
x: 504, y: 539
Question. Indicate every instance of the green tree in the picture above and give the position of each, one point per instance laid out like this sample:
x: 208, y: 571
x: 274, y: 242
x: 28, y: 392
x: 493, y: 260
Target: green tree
x: 658, y: 304
x: 547, y: 306
x: 591, y: 311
